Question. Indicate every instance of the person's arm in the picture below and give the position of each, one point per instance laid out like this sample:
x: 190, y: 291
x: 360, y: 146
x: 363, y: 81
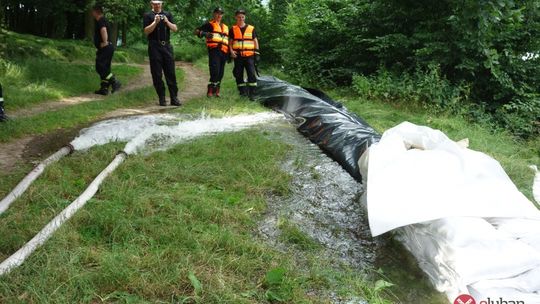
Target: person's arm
x: 231, y: 43
x: 150, y: 28
x: 204, y: 31
x: 256, y: 44
x: 170, y: 23
x: 104, y: 37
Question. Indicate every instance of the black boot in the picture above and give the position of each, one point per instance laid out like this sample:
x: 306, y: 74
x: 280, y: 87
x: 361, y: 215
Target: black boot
x: 175, y: 102
x: 162, y: 101
x: 114, y: 84
x: 242, y: 90
x: 3, y: 116
x: 251, y: 93
x: 210, y: 91
x: 104, y: 90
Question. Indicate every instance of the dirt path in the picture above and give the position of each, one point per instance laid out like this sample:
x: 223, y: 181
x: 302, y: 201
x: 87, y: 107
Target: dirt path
x: 145, y: 79
x: 31, y: 148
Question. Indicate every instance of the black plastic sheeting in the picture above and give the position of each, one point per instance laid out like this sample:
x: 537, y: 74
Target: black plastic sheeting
x: 327, y: 123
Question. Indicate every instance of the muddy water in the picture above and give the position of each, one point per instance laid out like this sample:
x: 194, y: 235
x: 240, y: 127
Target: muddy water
x: 325, y: 205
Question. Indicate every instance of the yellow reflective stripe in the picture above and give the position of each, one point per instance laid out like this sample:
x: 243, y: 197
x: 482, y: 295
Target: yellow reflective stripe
x: 110, y: 76
x: 244, y: 45
x: 252, y: 84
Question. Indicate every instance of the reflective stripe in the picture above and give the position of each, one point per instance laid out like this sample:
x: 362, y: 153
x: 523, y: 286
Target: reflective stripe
x: 242, y: 85
x: 219, y: 38
x: 110, y: 76
x: 252, y: 84
x: 244, y: 43
x: 1, y: 99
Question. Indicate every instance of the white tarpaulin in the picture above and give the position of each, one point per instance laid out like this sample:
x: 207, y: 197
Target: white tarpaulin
x: 417, y: 174
x: 469, y: 227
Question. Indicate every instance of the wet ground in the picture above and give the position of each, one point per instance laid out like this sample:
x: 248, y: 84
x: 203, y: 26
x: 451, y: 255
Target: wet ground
x: 325, y: 205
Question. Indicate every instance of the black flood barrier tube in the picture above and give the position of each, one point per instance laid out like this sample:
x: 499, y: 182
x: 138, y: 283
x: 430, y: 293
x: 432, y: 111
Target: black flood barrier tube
x: 327, y: 123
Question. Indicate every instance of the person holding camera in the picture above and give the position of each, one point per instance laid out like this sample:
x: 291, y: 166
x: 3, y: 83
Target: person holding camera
x: 217, y: 42
x: 158, y: 25
x: 245, y: 51
x: 105, y: 52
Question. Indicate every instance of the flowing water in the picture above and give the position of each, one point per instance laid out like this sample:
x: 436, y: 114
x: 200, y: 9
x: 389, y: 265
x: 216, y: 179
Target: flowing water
x: 325, y: 205
x: 324, y: 202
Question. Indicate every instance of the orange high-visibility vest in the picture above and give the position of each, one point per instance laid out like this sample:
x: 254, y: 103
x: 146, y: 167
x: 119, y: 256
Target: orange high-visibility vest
x: 244, y: 44
x: 219, y: 38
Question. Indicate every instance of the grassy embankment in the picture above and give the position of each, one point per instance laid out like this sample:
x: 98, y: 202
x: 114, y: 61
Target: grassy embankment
x: 37, y: 70
x: 178, y: 226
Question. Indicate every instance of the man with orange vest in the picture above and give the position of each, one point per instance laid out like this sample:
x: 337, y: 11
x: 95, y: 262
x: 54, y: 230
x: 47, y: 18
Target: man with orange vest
x: 217, y: 41
x: 245, y: 51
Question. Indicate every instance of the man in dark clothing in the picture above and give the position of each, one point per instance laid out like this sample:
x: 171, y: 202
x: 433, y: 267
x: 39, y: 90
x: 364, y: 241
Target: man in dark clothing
x: 3, y: 116
x: 217, y: 41
x: 105, y: 52
x: 158, y: 25
x: 245, y: 51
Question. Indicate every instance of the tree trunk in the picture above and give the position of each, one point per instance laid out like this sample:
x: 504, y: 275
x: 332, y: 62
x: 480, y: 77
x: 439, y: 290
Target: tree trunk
x: 114, y: 33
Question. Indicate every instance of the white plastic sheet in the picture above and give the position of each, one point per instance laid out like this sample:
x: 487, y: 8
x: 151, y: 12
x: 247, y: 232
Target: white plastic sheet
x: 417, y: 174
x: 457, y: 211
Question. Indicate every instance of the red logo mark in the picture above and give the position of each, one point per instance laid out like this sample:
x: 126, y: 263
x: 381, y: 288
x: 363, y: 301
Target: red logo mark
x: 465, y: 299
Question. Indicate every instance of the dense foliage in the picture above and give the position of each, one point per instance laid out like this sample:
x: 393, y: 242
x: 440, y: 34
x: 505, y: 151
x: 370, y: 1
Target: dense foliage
x: 484, y: 52
x: 479, y: 45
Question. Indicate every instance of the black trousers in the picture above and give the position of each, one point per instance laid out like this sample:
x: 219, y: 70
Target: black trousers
x: 162, y: 61
x: 216, y: 62
x: 103, y: 61
x: 248, y: 64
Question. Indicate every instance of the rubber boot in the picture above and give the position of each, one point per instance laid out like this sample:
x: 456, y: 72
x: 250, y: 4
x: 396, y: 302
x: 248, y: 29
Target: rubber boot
x: 104, y: 90
x: 216, y: 91
x: 114, y: 84
x: 242, y: 91
x: 210, y: 91
x: 251, y: 93
x: 162, y: 101
x: 175, y: 102
x: 3, y: 116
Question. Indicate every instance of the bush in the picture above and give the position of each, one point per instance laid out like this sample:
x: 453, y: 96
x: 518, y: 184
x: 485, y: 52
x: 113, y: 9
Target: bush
x: 189, y: 50
x: 428, y: 88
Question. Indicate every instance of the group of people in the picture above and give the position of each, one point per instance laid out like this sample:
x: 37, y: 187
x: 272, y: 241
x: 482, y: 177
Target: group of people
x: 239, y: 43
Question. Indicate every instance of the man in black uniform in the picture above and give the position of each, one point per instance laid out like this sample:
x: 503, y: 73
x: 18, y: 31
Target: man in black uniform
x: 245, y: 51
x: 158, y: 25
x: 217, y: 41
x: 3, y: 116
x: 105, y: 52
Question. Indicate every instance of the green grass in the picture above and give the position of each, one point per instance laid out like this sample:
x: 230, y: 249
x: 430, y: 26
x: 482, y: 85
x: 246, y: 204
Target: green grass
x: 20, y: 46
x: 175, y: 226
x: 33, y: 81
x: 78, y: 115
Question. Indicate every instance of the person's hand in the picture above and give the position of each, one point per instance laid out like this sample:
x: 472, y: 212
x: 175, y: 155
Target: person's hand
x: 103, y: 44
x: 233, y: 54
x: 209, y: 35
x: 157, y: 19
x: 165, y: 19
x: 257, y: 56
